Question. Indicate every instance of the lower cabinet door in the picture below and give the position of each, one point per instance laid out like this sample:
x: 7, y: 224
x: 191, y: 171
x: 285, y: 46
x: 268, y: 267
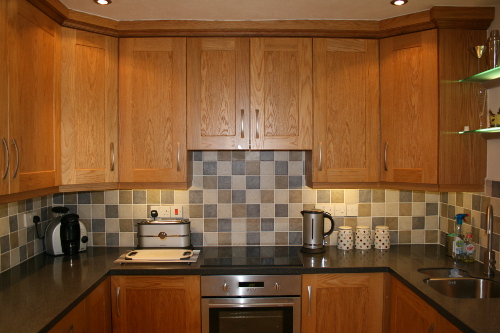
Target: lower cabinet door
x: 343, y: 302
x: 168, y: 304
x: 75, y: 321
x: 411, y: 314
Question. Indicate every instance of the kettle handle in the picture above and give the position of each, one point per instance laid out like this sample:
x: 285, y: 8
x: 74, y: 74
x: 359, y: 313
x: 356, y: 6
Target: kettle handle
x: 328, y: 216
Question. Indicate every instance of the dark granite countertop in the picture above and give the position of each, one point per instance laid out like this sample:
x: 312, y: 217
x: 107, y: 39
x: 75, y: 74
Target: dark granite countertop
x: 37, y: 293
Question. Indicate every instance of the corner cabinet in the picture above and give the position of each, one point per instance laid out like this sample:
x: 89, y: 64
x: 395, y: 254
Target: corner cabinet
x: 90, y: 315
x: 89, y: 110
x: 250, y: 93
x: 352, y: 302
x: 33, y: 99
x: 409, y: 313
x: 167, y: 303
x: 346, y: 114
x: 152, y: 104
x: 423, y: 107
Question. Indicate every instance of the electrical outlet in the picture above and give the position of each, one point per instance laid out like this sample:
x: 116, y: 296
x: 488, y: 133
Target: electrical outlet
x: 329, y: 209
x: 28, y: 219
x: 340, y: 210
x: 322, y: 207
x: 352, y: 210
x: 163, y: 211
x: 176, y: 211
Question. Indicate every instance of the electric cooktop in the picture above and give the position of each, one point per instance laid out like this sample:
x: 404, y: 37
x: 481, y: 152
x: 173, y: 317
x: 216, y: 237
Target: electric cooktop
x: 247, y: 256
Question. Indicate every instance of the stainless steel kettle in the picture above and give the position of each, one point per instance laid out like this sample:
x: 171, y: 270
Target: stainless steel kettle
x: 313, y: 235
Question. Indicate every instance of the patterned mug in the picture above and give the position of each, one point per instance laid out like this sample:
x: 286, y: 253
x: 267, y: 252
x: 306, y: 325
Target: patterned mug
x: 345, y: 239
x: 363, y: 237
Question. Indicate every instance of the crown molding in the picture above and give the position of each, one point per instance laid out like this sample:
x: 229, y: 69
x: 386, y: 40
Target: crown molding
x: 474, y: 18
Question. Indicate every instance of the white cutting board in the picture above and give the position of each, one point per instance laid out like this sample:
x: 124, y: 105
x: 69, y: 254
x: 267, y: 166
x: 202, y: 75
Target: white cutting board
x: 159, y: 255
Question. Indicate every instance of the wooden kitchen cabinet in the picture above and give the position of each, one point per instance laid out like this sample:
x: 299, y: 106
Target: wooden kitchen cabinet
x: 250, y: 93
x: 93, y: 314
x: 152, y: 112
x: 346, y: 114
x: 33, y: 98
x: 423, y: 107
x: 89, y: 110
x: 218, y: 103
x: 156, y: 303
x: 410, y: 313
x: 4, y: 105
x: 75, y: 321
x: 351, y: 302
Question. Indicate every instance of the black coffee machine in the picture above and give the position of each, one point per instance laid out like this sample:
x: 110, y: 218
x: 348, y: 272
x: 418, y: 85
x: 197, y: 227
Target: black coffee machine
x: 70, y: 234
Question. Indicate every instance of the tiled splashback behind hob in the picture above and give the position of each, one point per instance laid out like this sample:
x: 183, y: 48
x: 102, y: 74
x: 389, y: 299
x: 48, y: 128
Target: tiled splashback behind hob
x: 244, y: 198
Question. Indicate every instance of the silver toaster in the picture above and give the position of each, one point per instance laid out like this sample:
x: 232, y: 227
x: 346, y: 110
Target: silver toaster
x: 164, y: 234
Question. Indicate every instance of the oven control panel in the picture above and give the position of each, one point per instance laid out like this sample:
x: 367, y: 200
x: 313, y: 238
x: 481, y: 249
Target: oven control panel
x: 250, y: 285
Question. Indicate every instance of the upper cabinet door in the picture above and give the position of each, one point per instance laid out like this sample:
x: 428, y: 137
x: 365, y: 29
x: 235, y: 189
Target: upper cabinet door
x: 346, y: 111
x: 281, y: 93
x: 152, y: 110
x: 218, y: 93
x: 34, y: 88
x: 409, y: 108
x: 89, y: 122
x: 4, y: 97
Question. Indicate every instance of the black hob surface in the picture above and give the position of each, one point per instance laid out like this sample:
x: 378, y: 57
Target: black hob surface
x: 247, y: 256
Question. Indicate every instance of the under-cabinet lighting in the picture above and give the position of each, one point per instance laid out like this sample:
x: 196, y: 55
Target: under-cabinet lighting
x: 398, y: 2
x: 102, y: 2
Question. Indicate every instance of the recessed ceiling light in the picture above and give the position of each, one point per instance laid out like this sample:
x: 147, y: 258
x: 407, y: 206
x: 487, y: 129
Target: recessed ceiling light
x: 103, y: 2
x: 398, y: 2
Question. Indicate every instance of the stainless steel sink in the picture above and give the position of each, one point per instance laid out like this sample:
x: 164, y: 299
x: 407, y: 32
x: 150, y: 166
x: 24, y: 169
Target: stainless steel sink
x: 465, y: 287
x: 441, y: 272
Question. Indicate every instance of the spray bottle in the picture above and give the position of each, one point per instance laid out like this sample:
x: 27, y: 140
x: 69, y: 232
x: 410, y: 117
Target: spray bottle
x: 458, y: 242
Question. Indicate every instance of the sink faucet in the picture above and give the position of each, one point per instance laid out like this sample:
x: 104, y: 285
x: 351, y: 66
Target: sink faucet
x: 489, y: 256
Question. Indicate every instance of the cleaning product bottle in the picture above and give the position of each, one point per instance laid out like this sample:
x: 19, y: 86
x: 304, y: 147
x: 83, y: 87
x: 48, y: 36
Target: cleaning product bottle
x: 470, y: 249
x: 458, y: 242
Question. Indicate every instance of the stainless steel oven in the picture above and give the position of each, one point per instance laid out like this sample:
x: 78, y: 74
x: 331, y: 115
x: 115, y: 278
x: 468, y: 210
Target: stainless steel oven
x: 250, y: 303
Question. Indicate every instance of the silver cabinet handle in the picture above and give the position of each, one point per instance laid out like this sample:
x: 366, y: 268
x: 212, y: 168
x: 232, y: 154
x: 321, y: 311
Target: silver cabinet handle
x: 7, y: 158
x: 71, y: 329
x: 242, y: 123
x: 320, y: 164
x: 385, y: 156
x: 257, y: 123
x: 118, y: 301
x: 112, y: 149
x: 431, y: 328
x: 17, y: 158
x: 309, y: 299
x: 178, y: 156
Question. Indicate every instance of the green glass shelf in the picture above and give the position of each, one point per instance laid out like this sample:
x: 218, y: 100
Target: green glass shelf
x: 490, y: 74
x: 483, y: 130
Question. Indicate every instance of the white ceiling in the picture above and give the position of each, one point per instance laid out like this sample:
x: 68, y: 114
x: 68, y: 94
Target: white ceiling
x: 242, y: 10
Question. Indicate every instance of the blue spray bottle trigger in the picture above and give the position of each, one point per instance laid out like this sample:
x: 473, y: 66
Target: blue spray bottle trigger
x: 460, y: 218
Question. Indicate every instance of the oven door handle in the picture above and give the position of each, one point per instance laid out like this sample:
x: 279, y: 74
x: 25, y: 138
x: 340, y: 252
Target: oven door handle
x: 249, y: 305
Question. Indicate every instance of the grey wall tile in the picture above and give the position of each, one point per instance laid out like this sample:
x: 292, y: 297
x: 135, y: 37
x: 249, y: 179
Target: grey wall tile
x: 281, y: 168
x: 238, y: 167
x: 253, y: 182
x: 239, y: 196
x: 196, y: 196
x: 267, y: 155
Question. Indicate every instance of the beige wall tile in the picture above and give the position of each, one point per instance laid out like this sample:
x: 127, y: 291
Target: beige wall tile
x: 405, y: 223
x: 391, y: 195
x: 337, y: 196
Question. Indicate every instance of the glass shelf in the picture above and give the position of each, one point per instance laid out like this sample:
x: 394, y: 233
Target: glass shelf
x: 490, y: 74
x: 483, y: 130
x: 486, y: 133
